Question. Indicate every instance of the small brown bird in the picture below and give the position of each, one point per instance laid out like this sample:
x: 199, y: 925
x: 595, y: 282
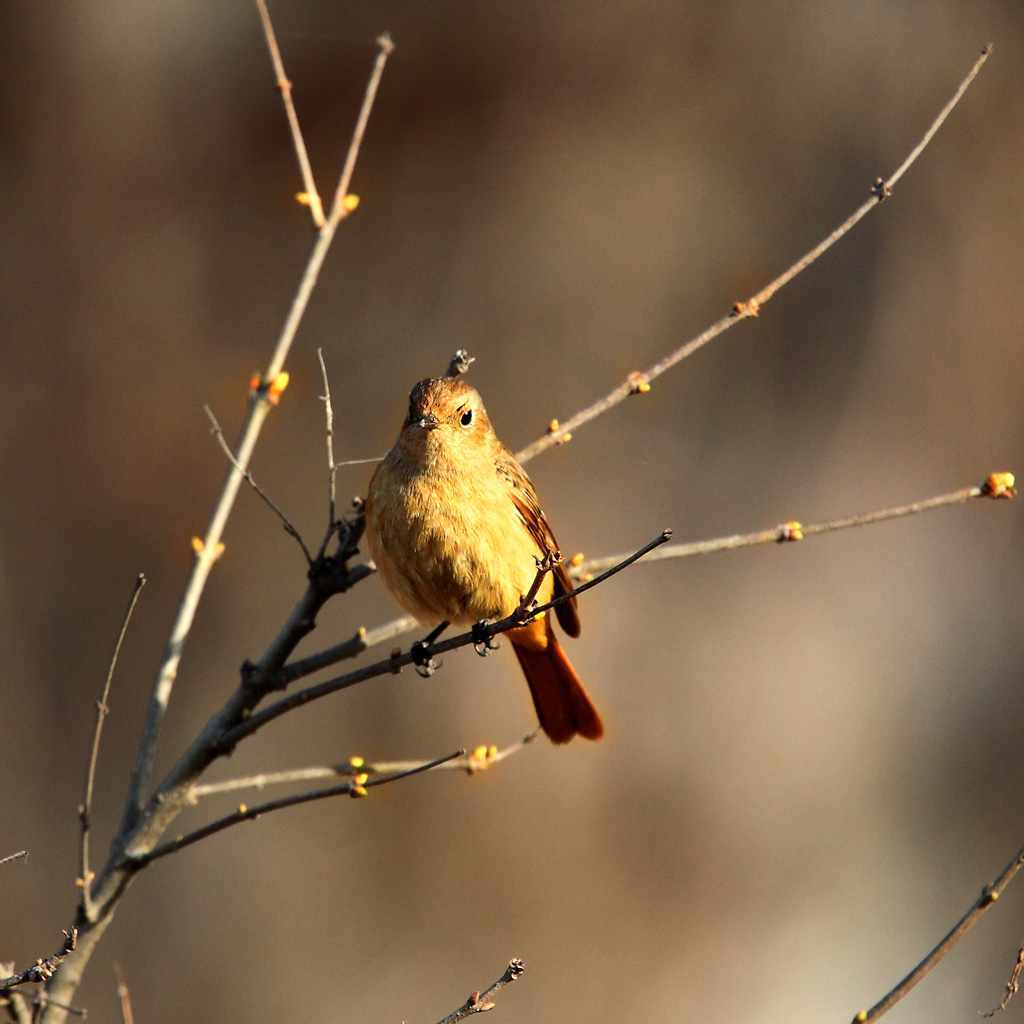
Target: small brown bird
x: 453, y: 524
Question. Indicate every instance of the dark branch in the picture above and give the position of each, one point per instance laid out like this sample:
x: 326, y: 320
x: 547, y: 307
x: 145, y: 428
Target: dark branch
x: 397, y: 662
x: 42, y: 970
x: 988, y: 896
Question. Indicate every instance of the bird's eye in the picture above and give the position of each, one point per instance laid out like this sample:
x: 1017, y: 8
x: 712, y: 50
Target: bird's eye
x: 466, y: 418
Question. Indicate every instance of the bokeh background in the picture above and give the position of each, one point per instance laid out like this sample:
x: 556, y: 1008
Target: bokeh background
x: 813, y: 759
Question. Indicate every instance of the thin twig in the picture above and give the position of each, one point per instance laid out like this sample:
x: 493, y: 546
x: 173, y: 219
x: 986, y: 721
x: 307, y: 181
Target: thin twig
x: 789, y: 531
x: 85, y: 811
x: 480, y: 1002
x: 13, y: 856
x: 250, y: 480
x: 332, y: 469
x: 363, y: 639
x: 1011, y: 986
x: 123, y: 995
x: 284, y: 85
x: 470, y: 763
x: 43, y: 969
x: 988, y: 896
x: 251, y: 813
x: 340, y: 208
x: 638, y: 383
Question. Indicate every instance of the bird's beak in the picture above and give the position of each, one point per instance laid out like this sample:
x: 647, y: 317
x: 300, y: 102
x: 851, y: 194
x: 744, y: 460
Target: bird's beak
x: 430, y: 421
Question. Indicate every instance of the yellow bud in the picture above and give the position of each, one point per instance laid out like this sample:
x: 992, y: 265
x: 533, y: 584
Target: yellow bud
x: 576, y: 559
x: 242, y: 808
x: 360, y: 779
x: 351, y: 202
x: 357, y: 791
x: 356, y: 762
x: 303, y: 197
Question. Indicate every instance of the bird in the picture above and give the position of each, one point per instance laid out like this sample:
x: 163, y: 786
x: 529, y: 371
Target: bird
x: 456, y: 532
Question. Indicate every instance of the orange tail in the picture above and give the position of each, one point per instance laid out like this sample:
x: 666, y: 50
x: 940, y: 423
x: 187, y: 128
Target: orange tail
x: 563, y: 705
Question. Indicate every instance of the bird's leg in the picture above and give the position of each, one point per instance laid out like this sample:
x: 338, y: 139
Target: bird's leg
x: 420, y: 651
x: 483, y: 641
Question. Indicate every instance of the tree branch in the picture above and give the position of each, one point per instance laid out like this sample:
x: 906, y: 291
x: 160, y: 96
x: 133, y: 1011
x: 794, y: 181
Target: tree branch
x: 85, y: 811
x: 355, y: 788
x: 639, y: 383
x: 988, y: 896
x: 480, y: 758
x: 229, y: 739
x: 284, y: 85
x: 998, y: 485
x: 250, y: 480
x: 480, y: 1002
x: 42, y: 969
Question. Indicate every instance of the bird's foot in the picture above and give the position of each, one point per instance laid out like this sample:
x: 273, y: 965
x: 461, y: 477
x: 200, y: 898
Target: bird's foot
x: 483, y: 640
x: 423, y: 660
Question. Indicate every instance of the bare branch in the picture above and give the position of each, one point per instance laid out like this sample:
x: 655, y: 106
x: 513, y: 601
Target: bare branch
x: 13, y: 856
x: 332, y: 469
x: 481, y: 1002
x: 142, y: 823
x: 638, y: 383
x: 251, y: 814
x: 988, y: 896
x: 480, y: 758
x: 398, y: 661
x: 247, y: 474
x: 43, y: 969
x: 1011, y: 986
x: 285, y: 86
x: 794, y: 531
x: 85, y: 811
x: 342, y: 207
x: 123, y: 995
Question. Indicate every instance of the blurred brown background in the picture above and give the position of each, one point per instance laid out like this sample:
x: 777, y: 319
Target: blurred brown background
x: 813, y: 758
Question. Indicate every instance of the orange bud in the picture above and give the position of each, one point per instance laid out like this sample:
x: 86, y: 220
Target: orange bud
x: 999, y: 485
x: 790, y: 531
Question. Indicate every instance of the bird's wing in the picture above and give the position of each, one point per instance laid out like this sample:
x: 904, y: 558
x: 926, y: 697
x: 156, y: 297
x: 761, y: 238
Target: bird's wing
x: 524, y: 497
